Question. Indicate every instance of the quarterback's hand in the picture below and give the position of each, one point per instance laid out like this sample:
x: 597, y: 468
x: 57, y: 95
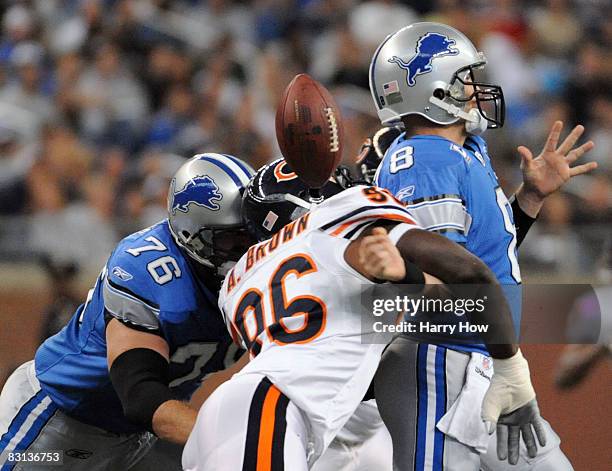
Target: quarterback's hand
x: 510, y: 405
x: 510, y: 427
x: 380, y: 258
x: 550, y: 170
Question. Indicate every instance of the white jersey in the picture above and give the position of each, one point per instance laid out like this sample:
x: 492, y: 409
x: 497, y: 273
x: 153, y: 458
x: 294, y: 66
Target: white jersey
x: 294, y: 303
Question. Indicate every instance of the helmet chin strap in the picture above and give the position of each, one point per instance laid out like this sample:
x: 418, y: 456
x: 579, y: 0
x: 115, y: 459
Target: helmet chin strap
x: 475, y: 123
x: 299, y: 201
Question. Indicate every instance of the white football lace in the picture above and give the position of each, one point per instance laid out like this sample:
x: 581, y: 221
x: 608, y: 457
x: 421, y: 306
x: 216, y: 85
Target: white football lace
x: 334, y: 138
x: 296, y: 110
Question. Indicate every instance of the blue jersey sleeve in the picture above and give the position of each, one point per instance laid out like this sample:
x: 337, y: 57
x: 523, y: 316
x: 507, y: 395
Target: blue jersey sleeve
x: 127, y: 294
x: 148, y: 282
x: 430, y: 177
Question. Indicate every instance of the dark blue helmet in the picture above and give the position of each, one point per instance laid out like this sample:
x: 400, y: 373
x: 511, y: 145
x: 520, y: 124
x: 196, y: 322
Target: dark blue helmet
x: 276, y: 196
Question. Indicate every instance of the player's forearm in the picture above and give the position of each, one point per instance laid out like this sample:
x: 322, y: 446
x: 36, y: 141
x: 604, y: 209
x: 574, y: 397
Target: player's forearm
x: 456, y: 267
x: 443, y: 259
x: 499, y: 337
x: 173, y: 421
x: 530, y: 202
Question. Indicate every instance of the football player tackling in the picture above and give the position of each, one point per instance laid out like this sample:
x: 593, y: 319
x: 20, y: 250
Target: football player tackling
x: 149, y: 331
x: 293, y: 301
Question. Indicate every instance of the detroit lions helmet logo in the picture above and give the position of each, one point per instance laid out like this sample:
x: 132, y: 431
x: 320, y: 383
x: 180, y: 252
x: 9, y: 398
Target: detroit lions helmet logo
x: 201, y: 190
x: 429, y: 47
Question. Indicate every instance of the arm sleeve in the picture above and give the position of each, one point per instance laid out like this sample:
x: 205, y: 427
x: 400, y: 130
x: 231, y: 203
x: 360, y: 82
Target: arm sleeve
x: 140, y: 377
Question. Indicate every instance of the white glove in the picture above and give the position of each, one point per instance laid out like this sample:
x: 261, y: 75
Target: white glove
x: 510, y: 405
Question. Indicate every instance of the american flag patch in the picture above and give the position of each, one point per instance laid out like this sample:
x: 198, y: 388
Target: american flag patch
x: 390, y: 87
x: 270, y: 220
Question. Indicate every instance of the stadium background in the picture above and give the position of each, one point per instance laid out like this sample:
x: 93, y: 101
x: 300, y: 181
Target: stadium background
x: 101, y: 100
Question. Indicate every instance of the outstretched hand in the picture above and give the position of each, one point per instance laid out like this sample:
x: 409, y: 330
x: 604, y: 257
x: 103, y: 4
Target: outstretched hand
x: 551, y: 169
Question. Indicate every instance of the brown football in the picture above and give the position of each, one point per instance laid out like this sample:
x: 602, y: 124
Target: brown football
x: 309, y: 130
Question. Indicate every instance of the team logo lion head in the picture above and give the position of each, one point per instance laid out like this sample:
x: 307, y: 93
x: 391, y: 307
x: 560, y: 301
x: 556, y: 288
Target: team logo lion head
x: 200, y: 190
x: 429, y: 47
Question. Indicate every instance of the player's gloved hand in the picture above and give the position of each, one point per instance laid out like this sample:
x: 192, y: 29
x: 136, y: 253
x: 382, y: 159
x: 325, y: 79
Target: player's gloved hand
x: 510, y: 427
x: 373, y: 150
x: 511, y: 406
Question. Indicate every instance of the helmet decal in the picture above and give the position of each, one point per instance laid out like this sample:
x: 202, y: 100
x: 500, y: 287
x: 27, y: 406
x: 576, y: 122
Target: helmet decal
x: 271, y: 200
x: 200, y: 190
x: 283, y: 173
x: 429, y: 47
x: 270, y: 220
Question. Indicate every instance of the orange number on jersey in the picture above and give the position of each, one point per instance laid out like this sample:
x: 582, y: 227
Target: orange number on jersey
x: 375, y: 195
x: 380, y: 195
x: 249, y: 319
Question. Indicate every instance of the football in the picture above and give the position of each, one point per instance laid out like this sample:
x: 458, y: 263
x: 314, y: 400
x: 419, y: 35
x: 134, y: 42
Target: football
x: 309, y: 130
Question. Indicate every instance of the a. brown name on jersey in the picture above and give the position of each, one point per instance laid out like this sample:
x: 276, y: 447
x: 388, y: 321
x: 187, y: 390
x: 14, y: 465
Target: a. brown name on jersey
x: 258, y: 252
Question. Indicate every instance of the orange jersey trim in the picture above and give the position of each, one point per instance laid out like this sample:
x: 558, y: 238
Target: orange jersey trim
x: 266, y: 430
x: 389, y: 216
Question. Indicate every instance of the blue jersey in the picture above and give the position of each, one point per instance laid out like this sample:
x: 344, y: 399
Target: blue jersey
x: 147, y: 283
x: 453, y: 190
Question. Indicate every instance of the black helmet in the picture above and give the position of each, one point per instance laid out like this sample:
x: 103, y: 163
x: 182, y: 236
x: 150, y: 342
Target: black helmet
x: 373, y: 150
x: 275, y: 196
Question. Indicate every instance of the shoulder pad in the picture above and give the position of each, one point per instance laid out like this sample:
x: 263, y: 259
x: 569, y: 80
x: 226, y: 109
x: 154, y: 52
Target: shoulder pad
x: 151, y: 266
x: 350, y: 211
x: 437, y: 152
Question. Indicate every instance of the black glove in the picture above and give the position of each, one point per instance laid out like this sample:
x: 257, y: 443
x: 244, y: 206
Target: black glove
x: 373, y: 150
x: 519, y: 422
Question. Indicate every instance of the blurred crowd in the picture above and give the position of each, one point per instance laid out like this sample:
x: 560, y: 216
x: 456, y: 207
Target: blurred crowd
x: 101, y: 100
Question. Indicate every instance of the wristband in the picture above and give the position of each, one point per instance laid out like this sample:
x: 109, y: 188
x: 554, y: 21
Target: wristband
x: 414, y: 275
x: 522, y: 221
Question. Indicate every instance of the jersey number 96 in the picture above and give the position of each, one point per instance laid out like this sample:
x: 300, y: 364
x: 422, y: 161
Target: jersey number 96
x: 250, y: 318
